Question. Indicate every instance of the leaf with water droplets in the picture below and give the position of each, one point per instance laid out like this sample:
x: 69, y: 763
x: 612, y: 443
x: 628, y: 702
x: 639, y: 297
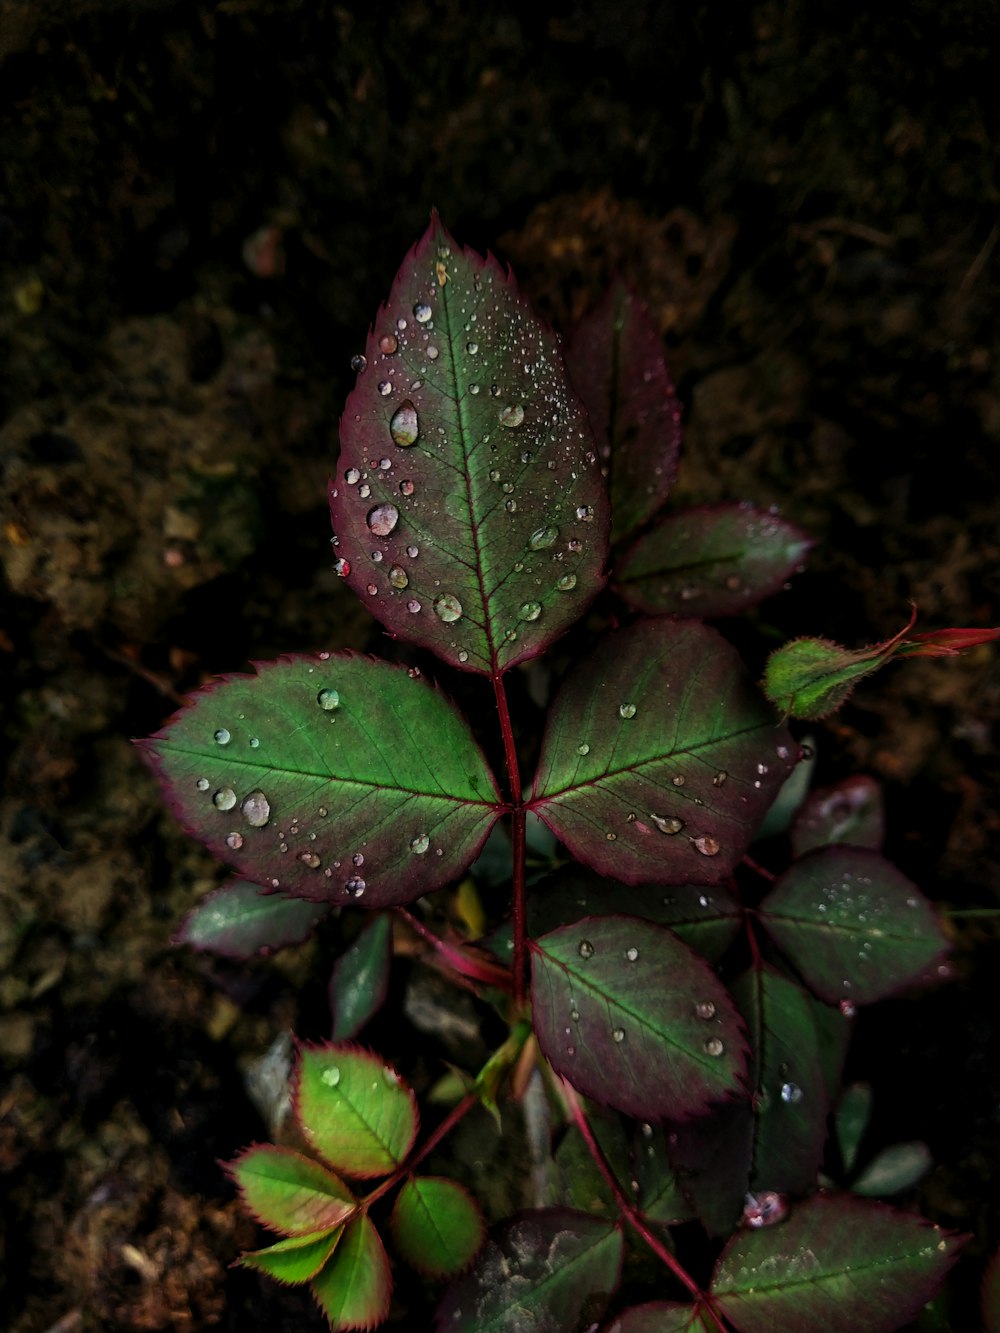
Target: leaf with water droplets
x: 296, y: 1259
x: 664, y: 1317
x: 673, y: 791
x: 850, y: 812
x: 437, y: 1224
x: 615, y: 359
x: 469, y: 503
x: 361, y: 978
x: 341, y: 779
x: 240, y: 919
x: 836, y: 1263
x: 552, y: 1269
x: 288, y: 1192
x: 353, y: 1290
x: 634, y: 1018
x: 853, y: 924
x: 716, y: 561
x: 354, y: 1109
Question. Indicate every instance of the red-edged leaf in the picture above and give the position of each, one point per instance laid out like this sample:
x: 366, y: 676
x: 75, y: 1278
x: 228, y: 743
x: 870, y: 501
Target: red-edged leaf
x: 716, y: 561
x: 837, y: 1263
x: 336, y: 778
x: 469, y: 506
x: 659, y: 758
x: 437, y: 1224
x: 288, y: 1192
x: 240, y: 919
x: 360, y: 979
x: 664, y: 1317
x: 615, y: 360
x: 353, y: 1290
x: 354, y: 1108
x: 853, y: 924
x: 850, y: 812
x: 550, y: 1271
x: 634, y: 1018
x: 295, y: 1260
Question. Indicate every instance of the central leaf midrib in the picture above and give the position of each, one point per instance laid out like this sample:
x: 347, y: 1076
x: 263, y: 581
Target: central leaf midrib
x: 385, y: 1148
x: 790, y: 1282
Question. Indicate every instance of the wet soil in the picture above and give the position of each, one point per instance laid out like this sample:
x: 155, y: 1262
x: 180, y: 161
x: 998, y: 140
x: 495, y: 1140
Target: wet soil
x: 201, y: 206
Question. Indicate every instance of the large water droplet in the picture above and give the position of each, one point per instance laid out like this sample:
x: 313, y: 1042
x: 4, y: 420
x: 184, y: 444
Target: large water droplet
x: 404, y: 426
x: 447, y: 607
x: 713, y: 1046
x: 341, y: 567
x: 422, y: 312
x: 385, y: 388
x: 472, y: 348
x: 406, y: 487
x: 256, y: 809
x: 791, y: 1093
x: 585, y: 513
x: 720, y: 778
x: 382, y: 519
x: 419, y: 844
x: 203, y: 784
x: 356, y: 885
x: 331, y: 1076
x: 566, y: 583
x: 706, y: 845
x: 388, y: 343
x: 224, y: 798
x: 704, y: 1009
x: 398, y: 577
x: 512, y: 415
x: 626, y: 710
x: 309, y: 859
x: 583, y: 748
x: 413, y: 606
x: 328, y: 700
x: 585, y: 949
x: 222, y: 736
x: 631, y: 953
x: 359, y: 363
x: 667, y: 823
x: 543, y: 539
x: 530, y: 610
x: 618, y: 1035
x: 234, y: 841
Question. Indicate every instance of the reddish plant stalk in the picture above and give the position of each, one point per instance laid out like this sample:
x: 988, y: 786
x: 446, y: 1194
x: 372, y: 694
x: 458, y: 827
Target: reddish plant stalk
x: 520, y: 925
x: 456, y: 1113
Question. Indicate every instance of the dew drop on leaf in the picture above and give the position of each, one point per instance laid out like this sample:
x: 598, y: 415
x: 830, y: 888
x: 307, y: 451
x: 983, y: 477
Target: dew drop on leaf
x: 720, y: 778
x: 543, y: 539
x: 406, y: 487
x: 447, y: 607
x: 385, y: 388
x: 422, y: 313
x: 359, y: 363
x: 512, y: 415
x: 224, y: 798
x: 234, y: 841
x: 791, y: 1093
x: 372, y: 589
x: 708, y: 846
x: 356, y: 885
x: 419, y: 844
x: 352, y: 476
x: 583, y: 748
x: 413, y: 606
x: 222, y: 736
x: 331, y: 1076
x: 585, y: 949
x: 328, y: 700
x: 256, y: 809
x: 714, y: 1046
x: 618, y: 1035
x: 382, y: 519
x: 626, y: 710
x: 364, y: 491
x: 358, y: 858
x: 472, y: 348
x: 254, y: 743
x: 398, y: 577
x: 309, y: 859
x: 585, y: 513
x: 704, y: 1009
x: 567, y: 583
x: 404, y: 426
x: 341, y: 567
x: 432, y: 353
x: 203, y: 784
x: 530, y: 610
x: 387, y: 344
x: 413, y: 552
x: 632, y: 953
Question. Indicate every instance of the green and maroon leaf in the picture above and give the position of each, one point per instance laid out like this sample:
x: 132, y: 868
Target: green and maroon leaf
x: 712, y: 1156
x: 837, y: 1263
x: 850, y: 812
x: 361, y: 978
x: 354, y: 1289
x: 355, y: 1110
x: 664, y: 1317
x: 553, y: 1269
x: 469, y: 506
x: 854, y: 925
x: 295, y: 1260
x: 789, y: 1093
x: 241, y: 919
x: 895, y: 1169
x: 577, y: 1181
x: 615, y: 359
x: 661, y: 1196
x: 659, y: 758
x: 634, y: 1018
x: 288, y: 1192
x: 716, y: 561
x: 335, y: 778
x: 437, y: 1225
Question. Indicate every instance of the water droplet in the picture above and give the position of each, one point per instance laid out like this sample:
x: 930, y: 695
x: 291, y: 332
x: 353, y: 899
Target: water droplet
x: 472, y: 348
x: 234, y: 841
x: 331, y: 1076
x: 611, y: 837
x: 510, y: 506
x: 626, y: 711
x: 328, y: 700
x: 222, y: 736
x: 432, y: 353
x: 494, y: 474
x: 398, y: 577
x: 585, y: 513
x: 720, y: 778
x: 309, y: 859
x: 341, y: 567
x: 575, y: 1015
x: 495, y: 390
x: 356, y: 885
x: 512, y: 415
x: 543, y: 539
x: 631, y: 953
x: 706, y: 845
x: 382, y: 519
x: 385, y: 388
x: 530, y: 610
x: 224, y: 798
x: 704, y: 1009
x: 447, y: 608
x: 583, y: 748
x: 359, y: 363
x: 388, y: 343
x: 404, y: 426
x: 667, y: 824
x: 377, y: 557
x: 364, y: 491
x: 254, y: 743
x: 406, y: 487
x: 791, y: 1093
x: 256, y: 809
x: 372, y: 589
x: 713, y: 1046
x: 419, y: 844
x: 463, y: 656
x: 352, y: 476
x: 847, y: 1008
x: 203, y: 784
x: 618, y: 1035
x: 413, y: 552
x: 678, y: 780
x: 567, y: 583
x: 422, y: 312
x: 474, y: 389
x: 585, y: 949
x: 413, y: 606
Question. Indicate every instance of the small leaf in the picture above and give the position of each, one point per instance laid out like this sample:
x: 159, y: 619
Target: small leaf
x: 851, y: 1120
x: 288, y: 1192
x: 659, y: 760
x: 471, y: 510
x: 633, y: 1018
x: 615, y: 360
x: 553, y: 1269
x: 850, y: 812
x: 837, y: 1263
x: 716, y: 561
x: 661, y: 1197
x: 336, y: 778
x: 355, y: 1287
x: 437, y: 1224
x: 664, y: 1317
x: 853, y: 924
x: 355, y: 1110
x: 895, y: 1169
x: 577, y: 1181
x: 713, y: 1157
x: 240, y: 919
x: 296, y: 1259
x: 361, y: 978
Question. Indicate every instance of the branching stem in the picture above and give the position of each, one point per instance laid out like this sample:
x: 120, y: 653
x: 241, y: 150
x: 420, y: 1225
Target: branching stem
x: 456, y: 1113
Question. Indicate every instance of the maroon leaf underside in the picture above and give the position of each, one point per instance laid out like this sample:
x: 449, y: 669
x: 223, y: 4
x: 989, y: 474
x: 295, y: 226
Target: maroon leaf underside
x: 615, y: 360
x: 469, y: 506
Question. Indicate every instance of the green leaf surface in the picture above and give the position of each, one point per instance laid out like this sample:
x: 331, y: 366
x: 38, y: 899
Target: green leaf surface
x: 713, y: 1156
x: 855, y: 926
x: 615, y: 360
x: 850, y: 812
x: 295, y: 1260
x: 661, y: 1196
x: 853, y: 1116
x: 354, y: 1109
x: 469, y: 505
x: 354, y: 1289
x: 634, y: 1018
x: 336, y: 778
x: 659, y: 759
x: 837, y: 1263
x: 895, y: 1169
x: 288, y: 1192
x: 361, y: 978
x: 716, y: 561
x: 577, y: 1181
x: 549, y: 1271
x: 437, y: 1225
x: 664, y: 1317
x: 240, y: 919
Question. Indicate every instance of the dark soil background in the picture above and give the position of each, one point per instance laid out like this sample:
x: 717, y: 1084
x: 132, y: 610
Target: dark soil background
x: 201, y: 206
